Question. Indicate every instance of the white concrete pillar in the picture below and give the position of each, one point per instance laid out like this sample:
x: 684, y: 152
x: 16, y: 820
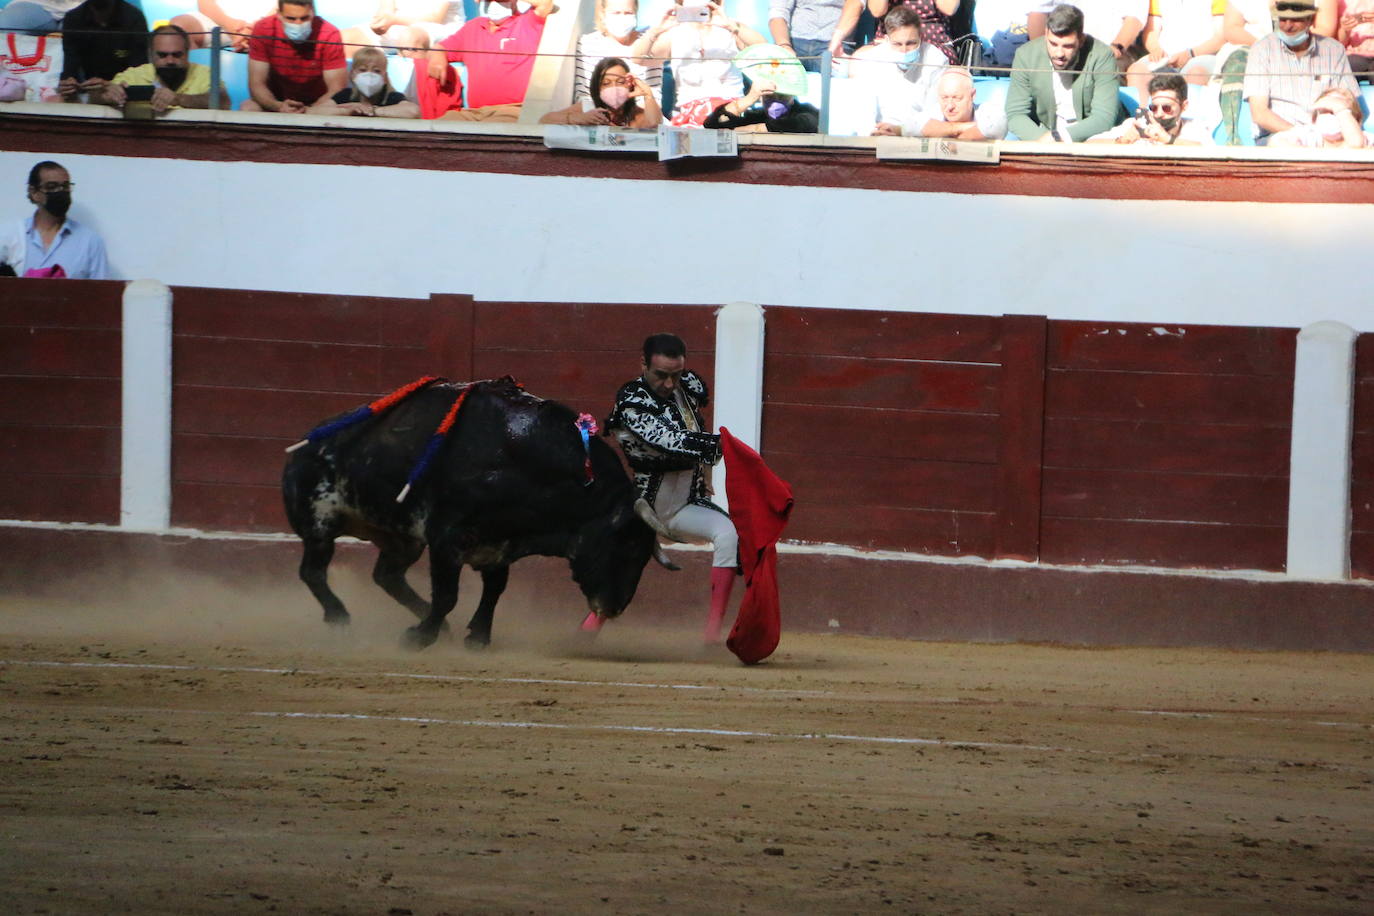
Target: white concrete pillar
x: 145, y: 492
x: 737, y: 397
x: 1319, y: 476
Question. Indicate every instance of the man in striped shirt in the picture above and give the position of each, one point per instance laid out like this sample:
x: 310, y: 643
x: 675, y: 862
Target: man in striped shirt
x: 1289, y: 68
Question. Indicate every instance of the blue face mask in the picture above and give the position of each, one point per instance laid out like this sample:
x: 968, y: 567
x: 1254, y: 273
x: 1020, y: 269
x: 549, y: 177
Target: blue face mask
x: 777, y: 108
x: 909, y: 58
x: 296, y: 31
x: 1294, y: 41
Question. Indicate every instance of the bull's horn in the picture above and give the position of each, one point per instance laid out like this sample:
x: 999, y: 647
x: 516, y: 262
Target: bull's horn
x: 662, y: 559
x: 646, y: 512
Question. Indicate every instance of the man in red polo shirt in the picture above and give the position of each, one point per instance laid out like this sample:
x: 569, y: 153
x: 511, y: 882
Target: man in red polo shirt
x: 496, y: 81
x: 295, y: 60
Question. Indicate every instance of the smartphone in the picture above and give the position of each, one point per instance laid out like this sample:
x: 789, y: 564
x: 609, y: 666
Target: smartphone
x: 138, y: 93
x: 694, y: 14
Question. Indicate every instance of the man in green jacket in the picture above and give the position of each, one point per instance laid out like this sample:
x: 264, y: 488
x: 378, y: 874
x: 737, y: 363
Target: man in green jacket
x: 1064, y: 85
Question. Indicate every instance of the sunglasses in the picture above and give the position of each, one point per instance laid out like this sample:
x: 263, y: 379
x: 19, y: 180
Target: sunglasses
x: 1164, y: 108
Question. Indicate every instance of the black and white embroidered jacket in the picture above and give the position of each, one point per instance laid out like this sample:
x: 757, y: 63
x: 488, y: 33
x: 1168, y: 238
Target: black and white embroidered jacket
x: 657, y: 439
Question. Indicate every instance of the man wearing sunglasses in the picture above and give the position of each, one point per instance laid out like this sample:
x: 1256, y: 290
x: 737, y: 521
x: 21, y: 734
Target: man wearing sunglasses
x: 48, y: 244
x: 1163, y: 121
x: 1288, y: 69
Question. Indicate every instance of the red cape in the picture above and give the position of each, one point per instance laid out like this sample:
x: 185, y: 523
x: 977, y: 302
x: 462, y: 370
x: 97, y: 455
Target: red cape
x: 760, y: 503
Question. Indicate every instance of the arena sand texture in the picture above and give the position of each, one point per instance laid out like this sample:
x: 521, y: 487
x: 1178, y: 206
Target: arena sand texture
x: 179, y: 747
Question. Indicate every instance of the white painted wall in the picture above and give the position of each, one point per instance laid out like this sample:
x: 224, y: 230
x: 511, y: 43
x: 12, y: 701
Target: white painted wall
x: 403, y: 232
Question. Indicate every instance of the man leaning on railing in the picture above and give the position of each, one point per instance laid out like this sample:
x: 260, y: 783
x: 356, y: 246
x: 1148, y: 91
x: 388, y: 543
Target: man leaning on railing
x: 498, y: 49
x: 170, y: 79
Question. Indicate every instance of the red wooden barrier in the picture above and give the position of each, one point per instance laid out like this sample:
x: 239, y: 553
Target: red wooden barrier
x: 254, y: 371
x: 60, y: 368
x: 1362, y: 462
x: 1167, y: 445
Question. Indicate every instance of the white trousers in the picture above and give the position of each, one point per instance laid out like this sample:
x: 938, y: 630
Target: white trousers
x: 696, y: 523
x: 691, y: 522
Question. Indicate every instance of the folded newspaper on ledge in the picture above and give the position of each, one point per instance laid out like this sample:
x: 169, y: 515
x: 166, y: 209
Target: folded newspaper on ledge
x: 668, y: 142
x: 679, y: 142
x: 600, y: 138
x: 933, y: 148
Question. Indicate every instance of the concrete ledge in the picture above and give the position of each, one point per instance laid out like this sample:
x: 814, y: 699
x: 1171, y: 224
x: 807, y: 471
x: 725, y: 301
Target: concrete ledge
x: 820, y: 593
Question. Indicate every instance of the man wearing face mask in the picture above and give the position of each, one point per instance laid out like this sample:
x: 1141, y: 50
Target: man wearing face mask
x: 1063, y: 85
x: 900, y: 70
x: 1290, y: 68
x: 499, y: 49
x: 295, y: 60
x: 1164, y: 121
x: 176, y: 82
x: 48, y: 243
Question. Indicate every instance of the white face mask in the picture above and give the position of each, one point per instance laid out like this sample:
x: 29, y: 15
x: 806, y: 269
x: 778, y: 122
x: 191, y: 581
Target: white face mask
x: 296, y: 31
x: 369, y: 83
x: 497, y: 12
x: 619, y: 24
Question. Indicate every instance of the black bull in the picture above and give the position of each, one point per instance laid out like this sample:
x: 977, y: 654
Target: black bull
x: 509, y: 481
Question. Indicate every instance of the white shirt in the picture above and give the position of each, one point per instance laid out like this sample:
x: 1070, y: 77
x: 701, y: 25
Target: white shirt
x: 990, y: 119
x: 1065, y: 113
x: 1192, y: 130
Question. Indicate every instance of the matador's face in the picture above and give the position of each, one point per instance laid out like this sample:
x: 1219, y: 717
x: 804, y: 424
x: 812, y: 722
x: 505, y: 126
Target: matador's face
x: 663, y: 374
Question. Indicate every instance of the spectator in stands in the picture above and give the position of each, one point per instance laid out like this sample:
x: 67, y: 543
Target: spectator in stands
x: 901, y: 70
x: 956, y: 116
x: 91, y: 59
x: 1289, y: 69
x: 702, y: 51
x: 370, y: 93
x: 234, y: 17
x: 805, y: 27
x: 1245, y: 22
x: 1162, y: 122
x: 1063, y: 85
x: 1335, y: 123
x: 175, y: 81
x: 410, y: 25
x: 615, y: 34
x: 936, y: 29
x: 776, y: 78
x: 1181, y: 36
x: 37, y: 17
x: 622, y: 100
x: 499, y: 50
x: 1116, y: 23
x: 1356, y: 33
x: 49, y: 243
x: 295, y: 60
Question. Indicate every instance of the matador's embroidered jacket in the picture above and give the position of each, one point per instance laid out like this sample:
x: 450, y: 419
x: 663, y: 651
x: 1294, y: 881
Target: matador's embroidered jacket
x: 659, y: 436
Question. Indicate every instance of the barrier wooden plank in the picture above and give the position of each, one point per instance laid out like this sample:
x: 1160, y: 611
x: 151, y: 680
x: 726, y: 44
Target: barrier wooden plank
x: 1021, y: 436
x: 59, y: 498
x: 1190, y: 349
x: 1182, y: 545
x: 881, y: 432
x: 882, y: 334
x: 941, y: 533
x: 316, y: 318
x: 214, y: 410
x: 836, y: 381
x: 228, y: 507
x: 1172, y: 397
x: 890, y: 482
x: 228, y: 460
x: 1118, y: 494
x: 575, y: 327
x: 69, y: 352
x: 71, y: 304
x: 1161, y: 446
x: 78, y: 401
x: 85, y: 451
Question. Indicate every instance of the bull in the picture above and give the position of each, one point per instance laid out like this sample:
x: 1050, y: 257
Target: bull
x: 513, y: 477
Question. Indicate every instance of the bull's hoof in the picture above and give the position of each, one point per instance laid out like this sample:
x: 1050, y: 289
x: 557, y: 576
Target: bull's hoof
x: 476, y: 642
x: 337, y: 619
x: 416, y: 639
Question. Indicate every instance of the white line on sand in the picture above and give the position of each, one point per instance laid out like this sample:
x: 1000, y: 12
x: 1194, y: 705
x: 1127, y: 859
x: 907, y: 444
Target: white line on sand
x: 564, y: 682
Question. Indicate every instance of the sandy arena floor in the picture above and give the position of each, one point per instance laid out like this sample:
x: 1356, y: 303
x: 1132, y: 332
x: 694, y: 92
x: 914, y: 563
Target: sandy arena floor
x: 178, y: 750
